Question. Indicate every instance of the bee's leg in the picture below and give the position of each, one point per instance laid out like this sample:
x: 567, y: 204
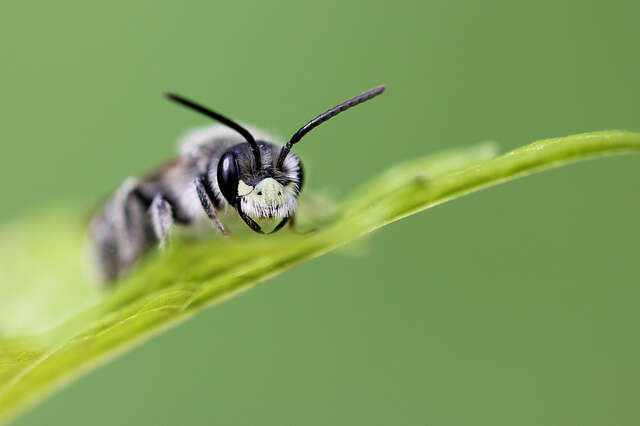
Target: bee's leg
x: 208, y: 206
x: 161, y: 213
x: 163, y: 210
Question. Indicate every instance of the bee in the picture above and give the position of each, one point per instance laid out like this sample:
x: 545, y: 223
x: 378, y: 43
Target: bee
x: 221, y: 167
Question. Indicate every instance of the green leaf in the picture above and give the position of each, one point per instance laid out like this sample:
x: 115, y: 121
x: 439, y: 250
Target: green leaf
x: 55, y: 324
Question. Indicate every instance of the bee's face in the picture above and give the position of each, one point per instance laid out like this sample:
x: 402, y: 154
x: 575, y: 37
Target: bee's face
x: 266, y: 195
x: 268, y: 198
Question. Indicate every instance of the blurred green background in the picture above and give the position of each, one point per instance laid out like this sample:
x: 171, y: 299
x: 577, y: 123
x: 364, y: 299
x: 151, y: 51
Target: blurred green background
x: 514, y: 306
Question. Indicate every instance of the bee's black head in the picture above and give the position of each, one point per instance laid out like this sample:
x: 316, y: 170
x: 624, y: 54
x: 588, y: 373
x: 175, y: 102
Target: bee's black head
x: 265, y: 193
x: 260, y: 179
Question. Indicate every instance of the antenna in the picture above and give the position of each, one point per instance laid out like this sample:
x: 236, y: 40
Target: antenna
x: 222, y: 119
x: 324, y: 117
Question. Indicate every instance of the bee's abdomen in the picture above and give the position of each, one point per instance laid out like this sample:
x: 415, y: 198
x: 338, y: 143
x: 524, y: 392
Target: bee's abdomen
x: 120, y: 233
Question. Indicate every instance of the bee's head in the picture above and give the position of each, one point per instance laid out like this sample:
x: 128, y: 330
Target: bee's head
x: 261, y: 180
x: 262, y: 193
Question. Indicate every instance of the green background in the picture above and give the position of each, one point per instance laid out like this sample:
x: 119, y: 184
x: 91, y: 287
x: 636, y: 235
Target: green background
x: 514, y: 306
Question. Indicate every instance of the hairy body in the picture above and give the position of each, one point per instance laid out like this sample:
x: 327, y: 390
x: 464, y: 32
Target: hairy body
x: 142, y: 211
x: 218, y: 168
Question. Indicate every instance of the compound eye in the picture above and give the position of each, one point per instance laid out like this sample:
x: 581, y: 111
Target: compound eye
x: 228, y: 177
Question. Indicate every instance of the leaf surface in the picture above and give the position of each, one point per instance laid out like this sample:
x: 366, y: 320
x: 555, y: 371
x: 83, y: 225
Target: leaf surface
x: 55, y: 323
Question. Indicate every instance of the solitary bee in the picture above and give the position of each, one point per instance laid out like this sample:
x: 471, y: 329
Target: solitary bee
x: 219, y: 167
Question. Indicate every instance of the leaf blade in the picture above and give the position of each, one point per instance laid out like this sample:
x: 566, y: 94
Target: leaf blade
x: 166, y: 289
